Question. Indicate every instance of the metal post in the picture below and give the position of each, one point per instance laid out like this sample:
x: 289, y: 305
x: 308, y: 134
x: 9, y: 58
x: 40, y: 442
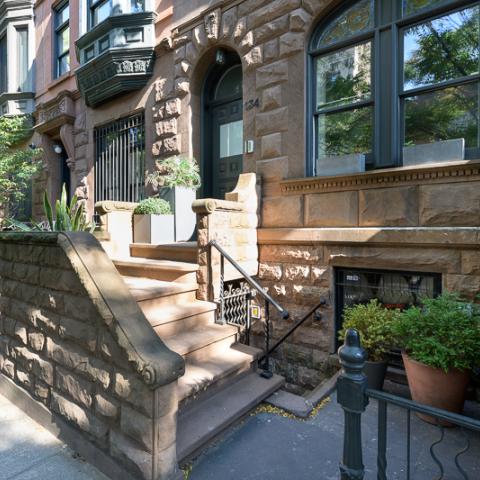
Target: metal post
x: 351, y: 388
x: 267, y: 372
x: 222, y: 289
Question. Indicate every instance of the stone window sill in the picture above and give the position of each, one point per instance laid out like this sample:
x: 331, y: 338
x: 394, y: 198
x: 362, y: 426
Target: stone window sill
x: 445, y: 172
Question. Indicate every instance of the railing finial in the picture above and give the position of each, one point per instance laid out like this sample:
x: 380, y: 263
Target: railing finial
x: 352, y: 355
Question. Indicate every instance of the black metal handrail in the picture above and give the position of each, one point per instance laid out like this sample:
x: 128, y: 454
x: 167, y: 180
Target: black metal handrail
x: 311, y: 312
x: 250, y: 280
x: 267, y: 371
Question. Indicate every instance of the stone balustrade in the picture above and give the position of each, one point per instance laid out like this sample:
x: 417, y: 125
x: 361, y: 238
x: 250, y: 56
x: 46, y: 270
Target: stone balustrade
x: 78, y: 355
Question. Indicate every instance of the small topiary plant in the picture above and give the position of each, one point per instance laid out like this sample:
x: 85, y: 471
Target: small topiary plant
x: 444, y: 333
x: 153, y: 206
x: 374, y: 324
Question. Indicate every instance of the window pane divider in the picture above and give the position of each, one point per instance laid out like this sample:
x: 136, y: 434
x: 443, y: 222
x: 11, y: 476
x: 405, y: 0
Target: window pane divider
x: 349, y: 42
x: 440, y: 86
x: 345, y: 108
x: 435, y: 12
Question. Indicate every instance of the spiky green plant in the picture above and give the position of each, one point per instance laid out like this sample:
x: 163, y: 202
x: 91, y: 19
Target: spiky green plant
x: 69, y: 217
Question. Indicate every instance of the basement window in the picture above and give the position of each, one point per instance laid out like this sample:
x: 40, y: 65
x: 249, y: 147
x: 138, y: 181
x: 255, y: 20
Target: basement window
x: 394, y: 289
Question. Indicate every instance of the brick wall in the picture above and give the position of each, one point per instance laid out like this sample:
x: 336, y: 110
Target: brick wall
x: 62, y: 343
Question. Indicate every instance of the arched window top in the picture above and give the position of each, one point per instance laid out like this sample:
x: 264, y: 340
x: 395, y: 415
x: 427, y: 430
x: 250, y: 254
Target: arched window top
x: 230, y: 84
x: 356, y: 19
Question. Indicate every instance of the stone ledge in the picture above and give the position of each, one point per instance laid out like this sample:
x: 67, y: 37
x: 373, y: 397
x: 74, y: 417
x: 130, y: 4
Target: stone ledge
x: 210, y: 205
x: 419, y: 236
x: 109, y: 206
x: 464, y: 171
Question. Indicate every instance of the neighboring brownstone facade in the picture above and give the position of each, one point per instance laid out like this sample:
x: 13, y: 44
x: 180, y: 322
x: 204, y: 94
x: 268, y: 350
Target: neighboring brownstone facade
x: 422, y: 219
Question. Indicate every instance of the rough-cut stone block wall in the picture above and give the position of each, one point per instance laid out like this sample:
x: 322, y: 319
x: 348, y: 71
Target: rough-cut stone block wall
x: 299, y: 276
x: 62, y: 345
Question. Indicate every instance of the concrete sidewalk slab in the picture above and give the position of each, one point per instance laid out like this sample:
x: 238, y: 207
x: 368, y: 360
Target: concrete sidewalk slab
x: 28, y: 451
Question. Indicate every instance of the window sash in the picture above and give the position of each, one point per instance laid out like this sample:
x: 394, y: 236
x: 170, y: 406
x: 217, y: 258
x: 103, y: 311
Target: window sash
x: 387, y: 78
x: 59, y: 30
x: 3, y: 64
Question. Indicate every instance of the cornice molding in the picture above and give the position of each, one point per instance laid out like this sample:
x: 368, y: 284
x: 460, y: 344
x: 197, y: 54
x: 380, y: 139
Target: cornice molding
x: 393, y: 177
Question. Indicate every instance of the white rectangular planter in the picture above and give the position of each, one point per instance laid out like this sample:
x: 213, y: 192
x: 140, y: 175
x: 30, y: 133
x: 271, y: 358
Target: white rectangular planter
x: 340, y: 165
x: 436, y: 152
x: 155, y: 229
x: 181, y: 199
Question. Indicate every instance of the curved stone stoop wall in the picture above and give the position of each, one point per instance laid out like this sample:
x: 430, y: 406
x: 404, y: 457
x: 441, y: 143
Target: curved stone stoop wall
x: 79, y: 356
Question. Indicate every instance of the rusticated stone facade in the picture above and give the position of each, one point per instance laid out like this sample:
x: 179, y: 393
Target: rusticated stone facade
x: 63, y: 344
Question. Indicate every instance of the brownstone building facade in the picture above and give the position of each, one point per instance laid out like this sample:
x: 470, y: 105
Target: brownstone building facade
x: 354, y: 201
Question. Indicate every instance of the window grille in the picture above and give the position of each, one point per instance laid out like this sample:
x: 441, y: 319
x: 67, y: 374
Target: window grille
x: 120, y: 160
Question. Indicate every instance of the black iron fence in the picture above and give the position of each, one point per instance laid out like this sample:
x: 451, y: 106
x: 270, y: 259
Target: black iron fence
x: 353, y: 396
x: 120, y: 160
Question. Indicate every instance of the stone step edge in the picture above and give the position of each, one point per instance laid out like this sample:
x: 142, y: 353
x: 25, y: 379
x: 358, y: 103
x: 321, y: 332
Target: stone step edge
x: 156, y: 264
x: 160, y: 291
x: 177, y: 313
x: 200, y: 425
x: 215, y: 335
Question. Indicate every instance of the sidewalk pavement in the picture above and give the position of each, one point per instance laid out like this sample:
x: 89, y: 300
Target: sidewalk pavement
x: 29, y: 452
x: 271, y: 447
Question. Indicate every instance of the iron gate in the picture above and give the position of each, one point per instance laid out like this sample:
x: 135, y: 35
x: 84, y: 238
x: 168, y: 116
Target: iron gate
x: 120, y: 160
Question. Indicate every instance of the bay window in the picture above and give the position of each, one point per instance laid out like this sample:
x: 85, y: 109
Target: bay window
x: 395, y: 82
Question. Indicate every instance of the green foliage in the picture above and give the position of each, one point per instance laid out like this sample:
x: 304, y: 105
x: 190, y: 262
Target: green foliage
x: 374, y: 324
x: 153, y: 206
x: 17, y: 163
x: 444, y: 333
x: 177, y: 171
x: 69, y: 217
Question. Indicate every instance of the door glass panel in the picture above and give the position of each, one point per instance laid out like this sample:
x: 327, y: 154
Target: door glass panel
x: 345, y: 133
x: 230, y: 84
x: 353, y: 21
x: 447, y: 114
x: 344, y: 77
x: 231, y: 139
x: 442, y: 49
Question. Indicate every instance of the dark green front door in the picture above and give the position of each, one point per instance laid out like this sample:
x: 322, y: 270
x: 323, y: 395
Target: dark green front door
x: 227, y: 154
x: 222, y: 158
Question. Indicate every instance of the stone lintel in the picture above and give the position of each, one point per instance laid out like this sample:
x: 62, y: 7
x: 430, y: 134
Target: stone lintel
x: 466, y: 237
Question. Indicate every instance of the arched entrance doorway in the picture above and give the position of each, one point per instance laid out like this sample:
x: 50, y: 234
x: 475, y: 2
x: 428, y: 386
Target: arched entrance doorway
x: 222, y: 159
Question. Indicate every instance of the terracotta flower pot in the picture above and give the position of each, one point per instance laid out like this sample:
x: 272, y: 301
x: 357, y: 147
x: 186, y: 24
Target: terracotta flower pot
x: 432, y: 386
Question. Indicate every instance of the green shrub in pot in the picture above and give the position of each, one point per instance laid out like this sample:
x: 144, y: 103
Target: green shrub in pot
x: 153, y: 222
x: 440, y: 342
x: 153, y: 206
x: 374, y: 324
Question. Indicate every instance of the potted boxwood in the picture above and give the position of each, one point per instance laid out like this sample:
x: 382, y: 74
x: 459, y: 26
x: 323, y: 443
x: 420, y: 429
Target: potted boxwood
x: 440, y: 343
x: 153, y: 222
x: 176, y: 180
x: 374, y: 324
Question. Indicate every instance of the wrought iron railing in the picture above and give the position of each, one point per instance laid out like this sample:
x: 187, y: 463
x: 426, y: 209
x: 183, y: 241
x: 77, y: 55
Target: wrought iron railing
x: 235, y: 308
x: 353, y: 396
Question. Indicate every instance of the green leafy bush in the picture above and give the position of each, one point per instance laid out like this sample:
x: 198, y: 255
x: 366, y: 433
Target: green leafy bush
x: 444, y: 333
x: 153, y: 206
x: 69, y: 217
x: 177, y: 171
x: 18, y: 163
x: 374, y: 324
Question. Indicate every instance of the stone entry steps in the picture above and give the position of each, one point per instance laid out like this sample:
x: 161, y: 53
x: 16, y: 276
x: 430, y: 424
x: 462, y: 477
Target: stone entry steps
x: 220, y: 384
x: 206, y: 419
x: 179, y: 252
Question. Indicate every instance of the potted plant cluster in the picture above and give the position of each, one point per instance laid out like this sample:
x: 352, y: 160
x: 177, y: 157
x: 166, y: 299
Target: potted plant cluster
x: 153, y: 222
x: 176, y: 180
x: 440, y: 342
x: 374, y: 323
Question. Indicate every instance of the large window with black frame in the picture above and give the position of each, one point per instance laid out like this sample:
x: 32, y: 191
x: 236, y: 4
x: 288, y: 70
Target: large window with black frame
x: 62, y: 39
x: 120, y: 159
x: 395, y: 83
